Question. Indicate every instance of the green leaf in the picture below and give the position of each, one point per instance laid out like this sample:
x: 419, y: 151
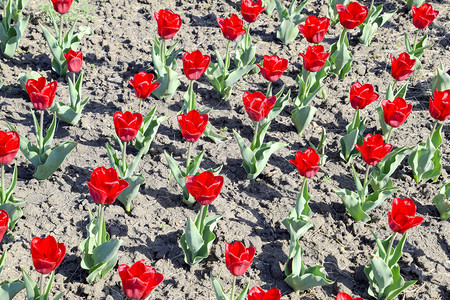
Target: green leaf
x: 23, y: 78
x: 126, y: 196
x: 425, y: 162
x: 14, y: 211
x: 169, y: 84
x: 397, y: 252
x: 353, y: 204
x: 212, y: 135
x: 288, y: 31
x: 218, y: 289
x: 261, y: 157
x: 348, y: 142
x: 237, y: 74
x: 30, y: 286
x: 54, y: 160
x: 302, y: 117
x: 106, y: 251
x: 243, y: 294
x: 9, y: 289
x: 193, y: 238
x: 49, y: 285
x: 387, y: 166
x: 281, y: 102
x: 382, y: 274
x: 50, y: 134
x: 441, y: 81
x: 442, y: 201
x: 66, y: 113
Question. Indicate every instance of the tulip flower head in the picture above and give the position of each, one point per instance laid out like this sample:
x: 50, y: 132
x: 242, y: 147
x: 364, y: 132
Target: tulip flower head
x: 4, y: 221
x: 273, y: 67
x: 362, y: 95
x: 231, y: 27
x: 193, y: 124
x: 238, y: 258
x: 345, y: 296
x: 250, y: 10
x: 315, y: 58
x: 396, y: 112
x: 41, y: 94
x: 62, y: 6
x: 352, y: 15
x: 402, y: 66
x: 402, y: 217
x: 143, y: 85
x: 439, y: 107
x: 204, y: 187
x: 139, y: 279
x: 314, y: 29
x: 423, y: 16
x: 9, y: 146
x: 256, y: 293
x: 373, y: 150
x: 306, y: 162
x: 169, y: 23
x: 74, y: 60
x: 257, y: 105
x: 105, y: 185
x: 47, y: 254
x: 195, y: 64
x: 127, y: 125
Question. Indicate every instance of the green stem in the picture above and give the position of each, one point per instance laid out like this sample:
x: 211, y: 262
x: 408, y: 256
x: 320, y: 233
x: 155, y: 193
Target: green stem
x: 268, y: 89
x: 247, y: 36
x: 100, y: 224
x: 41, y: 132
x: 391, y: 242
x: 140, y: 104
x: 434, y: 127
x: 366, y: 178
x: 255, y: 137
x: 41, y: 290
x: 124, y: 159
x: 163, y: 52
x: 355, y: 118
x: 415, y: 39
x: 203, y: 213
x: 307, y: 88
x: 60, y: 31
x: 371, y: 4
x: 389, y: 135
x: 191, y: 104
x: 188, y: 157
x: 227, y: 58
x: 393, y: 87
x: 3, y: 185
x: 297, y: 204
x: 232, y: 288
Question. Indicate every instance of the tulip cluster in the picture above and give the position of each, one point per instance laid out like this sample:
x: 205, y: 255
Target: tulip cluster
x: 13, y: 26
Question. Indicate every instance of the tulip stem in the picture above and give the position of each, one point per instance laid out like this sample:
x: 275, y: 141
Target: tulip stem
x: 188, y: 158
x: 268, y: 89
x: 41, y: 282
x: 297, y: 204
x: 391, y: 243
x: 60, y: 31
x: 371, y: 4
x: 124, y: 159
x: 3, y: 185
x: 355, y: 118
x: 140, y: 104
x: 201, y: 220
x: 100, y: 225
x: 227, y: 58
x: 41, y: 132
x: 255, y: 137
x: 415, y: 39
x: 163, y: 52
x: 389, y: 135
x: 191, y: 104
x: 247, y: 36
x: 232, y: 288
x: 393, y: 87
x: 366, y: 178
x: 307, y: 83
x: 434, y: 127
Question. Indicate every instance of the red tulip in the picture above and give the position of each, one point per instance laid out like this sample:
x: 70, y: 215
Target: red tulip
x: 192, y: 125
x: 231, y: 27
x: 105, y: 185
x: 250, y: 10
x: 362, y: 95
x: 195, y: 64
x: 204, y: 187
x: 143, y: 85
x: 256, y: 293
x: 168, y: 23
x: 440, y: 107
x: 238, y: 258
x: 373, y: 150
x: 47, y: 254
x: 41, y: 94
x: 257, y: 105
x: 352, y: 15
x: 423, y: 16
x: 315, y: 58
x: 9, y: 146
x: 344, y: 296
x: 402, y: 216
x: 127, y: 125
x: 4, y: 221
x: 402, y: 66
x: 273, y: 67
x: 314, y: 29
x: 62, y: 6
x: 396, y: 112
x: 306, y: 162
x: 74, y: 60
x: 139, y: 280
